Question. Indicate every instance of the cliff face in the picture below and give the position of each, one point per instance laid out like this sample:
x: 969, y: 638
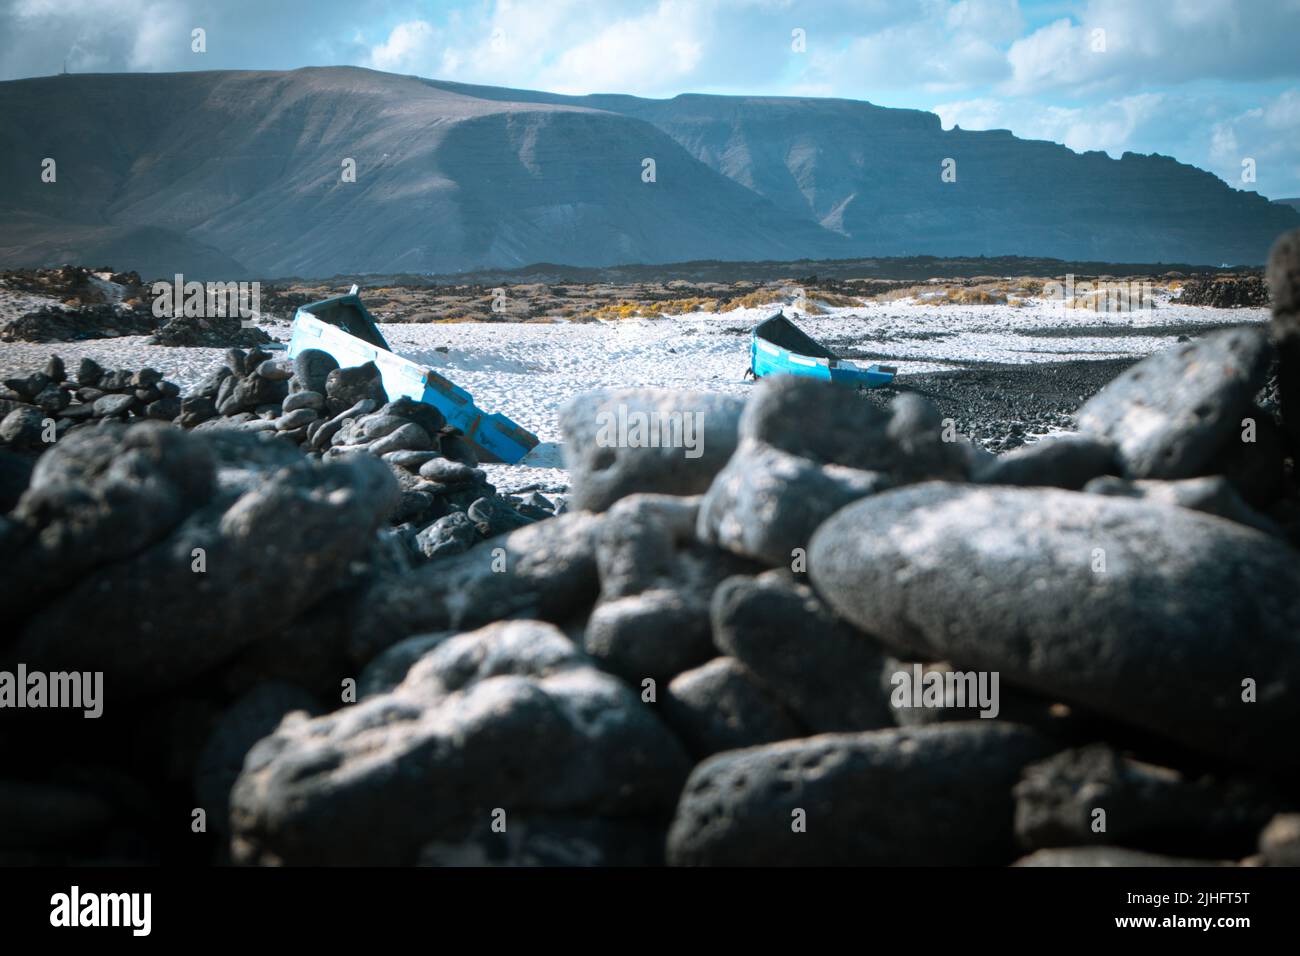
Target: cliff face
x: 873, y: 175
x: 240, y: 173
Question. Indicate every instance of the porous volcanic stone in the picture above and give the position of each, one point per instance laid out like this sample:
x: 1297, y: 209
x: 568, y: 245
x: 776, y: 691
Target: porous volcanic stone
x: 1169, y: 414
x: 1133, y: 609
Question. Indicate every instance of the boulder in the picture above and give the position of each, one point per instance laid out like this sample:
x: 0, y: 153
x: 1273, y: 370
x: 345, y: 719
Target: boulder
x: 1169, y: 414
x: 1284, y: 288
x: 766, y: 503
x: 1057, y: 591
x: 511, y: 718
x: 654, y: 634
x: 546, y: 571
x: 721, y: 706
x: 161, y: 618
x: 1065, y: 461
x: 345, y: 387
x: 619, y: 442
x: 1154, y: 807
x: 101, y: 496
x: 1212, y: 495
x: 934, y: 796
x: 824, y: 671
x: 454, y: 533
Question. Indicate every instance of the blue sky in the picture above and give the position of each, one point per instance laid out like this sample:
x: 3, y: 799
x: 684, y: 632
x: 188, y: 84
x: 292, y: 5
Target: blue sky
x: 1211, y: 82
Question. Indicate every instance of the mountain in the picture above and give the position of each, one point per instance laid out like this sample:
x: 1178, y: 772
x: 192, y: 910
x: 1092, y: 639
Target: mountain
x: 251, y: 164
x: 227, y: 174
x: 1294, y: 202
x: 872, y: 174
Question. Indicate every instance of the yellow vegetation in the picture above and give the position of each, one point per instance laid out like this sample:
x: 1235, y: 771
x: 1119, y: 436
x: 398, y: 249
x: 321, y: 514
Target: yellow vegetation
x: 684, y: 306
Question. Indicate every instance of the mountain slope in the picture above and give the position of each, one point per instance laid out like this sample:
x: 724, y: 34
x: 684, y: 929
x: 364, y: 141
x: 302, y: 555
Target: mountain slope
x: 228, y: 174
x: 251, y: 163
x: 873, y: 175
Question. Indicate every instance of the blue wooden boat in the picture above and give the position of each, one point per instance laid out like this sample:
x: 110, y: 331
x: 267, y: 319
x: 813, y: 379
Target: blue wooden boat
x: 343, y: 328
x: 779, y: 347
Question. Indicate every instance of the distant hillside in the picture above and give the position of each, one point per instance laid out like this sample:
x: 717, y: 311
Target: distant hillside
x: 872, y: 174
x: 238, y: 173
x: 1294, y: 202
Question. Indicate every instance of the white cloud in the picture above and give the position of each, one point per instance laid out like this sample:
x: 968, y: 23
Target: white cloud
x: 411, y: 47
x: 1109, y: 126
x: 162, y: 39
x: 654, y: 52
x: 944, y: 47
x: 1198, y: 128
x: 1269, y: 134
x: 1174, y: 41
x: 142, y: 35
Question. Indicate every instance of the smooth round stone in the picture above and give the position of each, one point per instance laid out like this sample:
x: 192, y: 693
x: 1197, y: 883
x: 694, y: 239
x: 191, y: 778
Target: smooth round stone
x: 304, y: 399
x: 275, y: 371
x: 410, y: 460
x: 296, y: 419
x: 409, y: 437
x: 618, y: 442
x: 446, y: 472
x: 111, y: 405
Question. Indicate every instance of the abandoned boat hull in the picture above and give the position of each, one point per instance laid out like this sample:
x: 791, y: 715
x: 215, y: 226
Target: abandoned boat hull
x: 493, y: 436
x: 768, y: 357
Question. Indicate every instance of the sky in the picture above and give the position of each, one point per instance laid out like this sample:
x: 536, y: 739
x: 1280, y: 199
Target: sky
x: 1215, y: 83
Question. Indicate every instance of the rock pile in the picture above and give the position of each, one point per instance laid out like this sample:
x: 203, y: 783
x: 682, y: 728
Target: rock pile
x: 830, y: 637
x: 1226, y: 292
x: 209, y: 332
x: 884, y: 545
x: 42, y: 407
x: 59, y: 324
x: 92, y: 304
x: 446, y: 503
x: 75, y: 285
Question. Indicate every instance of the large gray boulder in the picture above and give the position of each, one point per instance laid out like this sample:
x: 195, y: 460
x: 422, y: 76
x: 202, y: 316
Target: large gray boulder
x: 832, y: 424
x: 100, y: 496
x: 824, y: 671
x: 235, y: 572
x: 809, y: 447
x: 1212, y: 494
x: 609, y: 454
x: 722, y: 706
x: 546, y: 571
x: 1057, y: 800
x: 766, y: 503
x: 1170, y: 414
x: 511, y: 718
x: 1182, y: 623
x: 1058, y: 461
x: 936, y: 796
